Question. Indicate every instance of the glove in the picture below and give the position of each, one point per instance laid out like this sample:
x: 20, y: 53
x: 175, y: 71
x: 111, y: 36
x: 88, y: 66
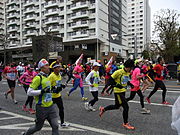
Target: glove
x: 119, y: 86
x: 46, y: 90
x: 63, y: 86
x: 59, y: 89
x: 130, y: 84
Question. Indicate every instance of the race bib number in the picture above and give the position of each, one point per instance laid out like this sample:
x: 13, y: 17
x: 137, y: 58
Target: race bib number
x: 11, y: 76
x: 58, y: 83
x: 125, y: 79
x: 48, y: 97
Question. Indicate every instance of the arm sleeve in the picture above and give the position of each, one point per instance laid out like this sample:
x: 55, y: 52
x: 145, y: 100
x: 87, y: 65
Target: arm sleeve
x: 32, y: 92
x: 21, y: 78
x: 88, y: 78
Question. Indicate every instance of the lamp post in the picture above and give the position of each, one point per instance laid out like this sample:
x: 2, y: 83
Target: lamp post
x: 114, y: 36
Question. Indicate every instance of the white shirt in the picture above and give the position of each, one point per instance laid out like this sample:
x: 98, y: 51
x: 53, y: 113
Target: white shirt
x: 88, y: 78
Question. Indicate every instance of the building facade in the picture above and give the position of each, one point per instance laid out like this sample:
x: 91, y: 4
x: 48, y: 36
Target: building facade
x: 1, y: 23
x: 138, y: 26
x: 85, y: 25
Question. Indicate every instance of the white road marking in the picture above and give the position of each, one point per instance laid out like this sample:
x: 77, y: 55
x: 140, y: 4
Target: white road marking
x: 172, y: 90
x: 132, y: 101
x: 78, y: 127
x: 6, y: 118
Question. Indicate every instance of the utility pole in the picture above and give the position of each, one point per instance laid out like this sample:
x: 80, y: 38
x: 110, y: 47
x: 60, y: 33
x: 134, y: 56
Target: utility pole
x: 135, y: 46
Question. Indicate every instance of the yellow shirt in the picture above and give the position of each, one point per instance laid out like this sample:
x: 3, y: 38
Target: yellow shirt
x: 178, y: 68
x: 121, y: 77
x: 55, y: 81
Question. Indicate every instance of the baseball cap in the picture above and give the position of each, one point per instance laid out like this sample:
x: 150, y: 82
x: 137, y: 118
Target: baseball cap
x: 42, y: 63
x: 96, y: 64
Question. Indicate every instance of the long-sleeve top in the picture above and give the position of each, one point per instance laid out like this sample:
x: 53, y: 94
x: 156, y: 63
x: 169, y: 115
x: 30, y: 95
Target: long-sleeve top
x: 93, y: 79
x: 27, y: 77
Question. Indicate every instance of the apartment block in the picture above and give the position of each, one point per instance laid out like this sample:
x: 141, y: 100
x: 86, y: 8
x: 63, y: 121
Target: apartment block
x: 85, y: 25
x: 138, y: 25
x: 1, y: 23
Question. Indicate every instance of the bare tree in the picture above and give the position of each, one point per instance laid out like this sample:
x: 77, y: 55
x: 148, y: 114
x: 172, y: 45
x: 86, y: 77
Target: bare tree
x: 168, y: 31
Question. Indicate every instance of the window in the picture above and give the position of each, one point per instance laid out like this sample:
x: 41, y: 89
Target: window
x: 92, y: 20
x: 112, y: 49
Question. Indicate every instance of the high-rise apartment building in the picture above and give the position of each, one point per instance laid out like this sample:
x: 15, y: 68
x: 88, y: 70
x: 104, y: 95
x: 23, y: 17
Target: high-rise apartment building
x: 85, y: 25
x: 1, y: 23
x: 138, y: 25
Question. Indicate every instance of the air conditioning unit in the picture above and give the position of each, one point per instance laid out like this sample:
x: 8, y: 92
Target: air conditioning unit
x: 105, y: 53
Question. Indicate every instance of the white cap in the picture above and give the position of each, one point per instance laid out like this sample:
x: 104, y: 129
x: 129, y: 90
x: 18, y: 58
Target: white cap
x: 96, y: 64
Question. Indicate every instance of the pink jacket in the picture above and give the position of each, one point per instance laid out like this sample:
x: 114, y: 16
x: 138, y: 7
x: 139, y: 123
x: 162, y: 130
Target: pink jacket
x: 27, y: 77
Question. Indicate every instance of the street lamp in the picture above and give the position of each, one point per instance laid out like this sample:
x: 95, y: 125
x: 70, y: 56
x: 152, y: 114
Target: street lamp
x: 97, y: 55
x: 114, y: 36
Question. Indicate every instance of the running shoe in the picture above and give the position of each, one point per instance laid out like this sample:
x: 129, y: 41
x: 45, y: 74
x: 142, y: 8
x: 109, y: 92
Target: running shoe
x: 145, y: 111
x: 91, y: 108
x: 108, y: 94
x: 6, y: 95
x: 24, y: 108
x: 22, y: 133
x: 15, y: 102
x: 101, y: 109
x: 148, y: 100
x: 31, y: 111
x: 84, y: 99
x: 102, y: 94
x: 67, y: 94
x: 128, y: 126
x: 86, y: 104
x: 166, y: 103
x: 65, y: 125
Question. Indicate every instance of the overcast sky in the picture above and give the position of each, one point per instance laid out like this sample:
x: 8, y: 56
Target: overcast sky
x: 156, y: 5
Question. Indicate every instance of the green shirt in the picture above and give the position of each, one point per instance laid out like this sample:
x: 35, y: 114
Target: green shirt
x: 44, y: 100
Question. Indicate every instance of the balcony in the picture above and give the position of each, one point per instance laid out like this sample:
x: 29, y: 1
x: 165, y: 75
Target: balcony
x: 11, y: 2
x: 15, y: 8
x: 30, y: 17
x: 12, y: 29
x: 14, y: 36
x: 50, y: 4
x: 54, y: 28
x: 51, y: 12
x: 13, y: 22
x: 52, y: 20
x: 28, y: 41
x: 80, y: 5
x: 92, y: 6
x: 30, y: 33
x: 13, y: 15
x: 29, y: 3
x: 81, y: 34
x: 29, y: 10
x: 80, y: 15
x: 80, y: 25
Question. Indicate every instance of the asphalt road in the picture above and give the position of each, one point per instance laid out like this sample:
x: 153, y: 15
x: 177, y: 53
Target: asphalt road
x: 13, y: 120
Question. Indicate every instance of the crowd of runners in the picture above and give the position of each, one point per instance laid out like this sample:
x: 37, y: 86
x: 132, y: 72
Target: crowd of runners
x: 43, y: 82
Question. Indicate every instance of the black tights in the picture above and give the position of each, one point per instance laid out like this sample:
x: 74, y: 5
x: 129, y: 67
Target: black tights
x: 159, y: 84
x: 120, y: 100
x: 132, y: 95
x: 58, y: 101
x: 29, y: 99
x: 95, y: 95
